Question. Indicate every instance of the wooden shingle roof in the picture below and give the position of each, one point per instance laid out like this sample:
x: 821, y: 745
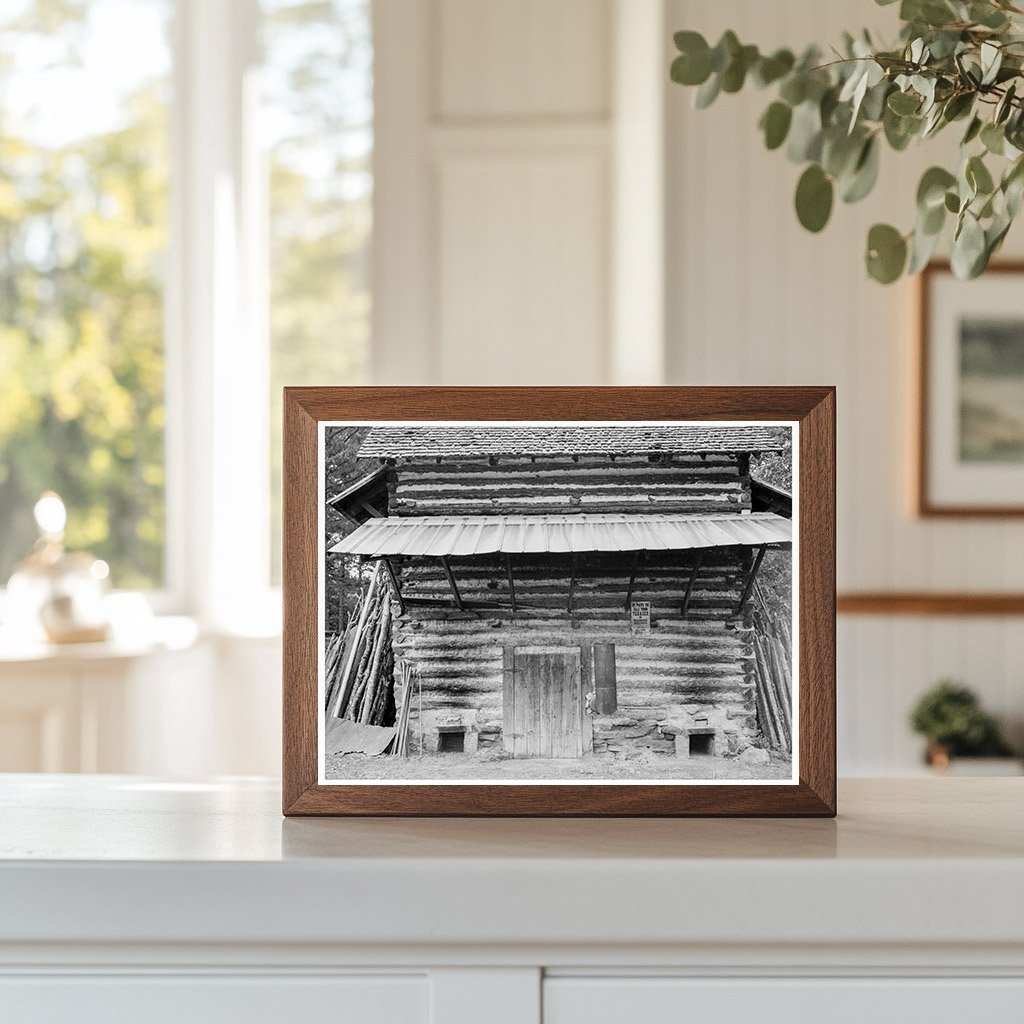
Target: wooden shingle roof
x: 628, y: 439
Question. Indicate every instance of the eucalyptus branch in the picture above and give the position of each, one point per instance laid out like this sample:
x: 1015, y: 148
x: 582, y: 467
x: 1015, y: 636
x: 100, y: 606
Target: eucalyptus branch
x: 955, y: 61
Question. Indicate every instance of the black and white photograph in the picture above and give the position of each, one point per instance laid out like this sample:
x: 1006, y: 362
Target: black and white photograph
x: 558, y: 602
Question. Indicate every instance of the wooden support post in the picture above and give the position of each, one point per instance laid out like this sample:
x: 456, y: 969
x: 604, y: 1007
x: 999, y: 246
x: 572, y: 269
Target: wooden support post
x: 637, y: 555
x: 511, y: 581
x: 451, y: 582
x: 751, y: 576
x: 698, y: 562
x: 572, y: 580
x: 394, y: 583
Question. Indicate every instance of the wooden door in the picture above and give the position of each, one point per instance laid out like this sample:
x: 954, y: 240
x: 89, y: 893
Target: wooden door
x: 543, y: 702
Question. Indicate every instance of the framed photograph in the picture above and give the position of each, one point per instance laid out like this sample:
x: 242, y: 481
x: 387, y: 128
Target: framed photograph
x: 970, y: 449
x: 559, y: 601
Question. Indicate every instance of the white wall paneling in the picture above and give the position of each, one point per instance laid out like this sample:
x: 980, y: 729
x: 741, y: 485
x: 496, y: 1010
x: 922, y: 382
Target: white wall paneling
x: 514, y: 168
x: 751, y: 298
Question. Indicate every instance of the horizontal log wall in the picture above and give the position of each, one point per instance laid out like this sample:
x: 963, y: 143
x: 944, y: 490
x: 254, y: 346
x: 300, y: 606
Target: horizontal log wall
x: 525, y: 485
x: 699, y: 664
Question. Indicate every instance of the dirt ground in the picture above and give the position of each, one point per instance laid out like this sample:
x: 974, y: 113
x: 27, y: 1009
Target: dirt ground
x: 476, y: 767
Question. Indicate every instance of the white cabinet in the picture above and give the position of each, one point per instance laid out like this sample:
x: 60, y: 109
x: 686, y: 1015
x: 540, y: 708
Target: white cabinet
x: 127, y: 899
x: 202, y: 999
x: 824, y: 1000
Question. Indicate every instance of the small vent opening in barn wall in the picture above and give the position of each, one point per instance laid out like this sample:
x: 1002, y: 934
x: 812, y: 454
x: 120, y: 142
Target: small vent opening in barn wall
x: 451, y: 740
x: 702, y: 744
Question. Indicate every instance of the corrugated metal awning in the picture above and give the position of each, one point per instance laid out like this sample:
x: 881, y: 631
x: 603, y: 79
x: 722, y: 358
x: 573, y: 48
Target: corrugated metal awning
x: 479, y: 535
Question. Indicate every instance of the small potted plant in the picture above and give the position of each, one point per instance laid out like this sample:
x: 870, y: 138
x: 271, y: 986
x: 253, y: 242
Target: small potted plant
x: 950, y: 718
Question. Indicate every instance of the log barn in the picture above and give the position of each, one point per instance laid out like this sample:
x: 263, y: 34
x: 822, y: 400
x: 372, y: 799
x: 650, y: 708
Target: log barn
x: 561, y: 591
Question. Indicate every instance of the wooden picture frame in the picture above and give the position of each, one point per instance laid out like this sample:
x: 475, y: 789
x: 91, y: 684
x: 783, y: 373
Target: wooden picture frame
x: 931, y: 378
x: 812, y: 790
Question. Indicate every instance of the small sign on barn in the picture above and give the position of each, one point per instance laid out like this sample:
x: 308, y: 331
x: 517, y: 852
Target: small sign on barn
x: 640, y: 617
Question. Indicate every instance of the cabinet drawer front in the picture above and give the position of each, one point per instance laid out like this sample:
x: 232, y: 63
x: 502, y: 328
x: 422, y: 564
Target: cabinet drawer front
x: 570, y: 1000
x: 202, y: 999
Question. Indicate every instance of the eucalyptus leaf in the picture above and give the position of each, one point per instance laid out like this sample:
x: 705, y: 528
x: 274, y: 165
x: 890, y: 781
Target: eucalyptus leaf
x: 707, y: 93
x: 775, y: 124
x: 993, y: 138
x: 922, y: 247
x: 840, y: 152
x: 978, y: 176
x: 814, y: 195
x: 886, y: 253
x: 968, y: 248
x: 865, y: 173
x: 991, y: 60
x: 932, y: 221
x: 900, y: 130
x: 794, y: 88
x: 1005, y: 104
x: 973, y: 130
x: 805, y: 133
x: 724, y: 51
x: 771, y: 69
x: 735, y: 74
x: 987, y: 15
x: 931, y: 190
x: 904, y: 103
x: 957, y: 106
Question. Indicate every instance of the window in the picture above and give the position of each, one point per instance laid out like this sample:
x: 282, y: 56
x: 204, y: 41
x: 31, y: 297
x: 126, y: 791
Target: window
x: 83, y: 236
x: 236, y: 211
x: 317, y: 117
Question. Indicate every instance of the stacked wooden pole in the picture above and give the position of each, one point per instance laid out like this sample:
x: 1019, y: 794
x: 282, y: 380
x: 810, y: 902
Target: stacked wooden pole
x: 335, y: 652
x: 773, y: 665
x: 362, y: 689
x: 400, y: 748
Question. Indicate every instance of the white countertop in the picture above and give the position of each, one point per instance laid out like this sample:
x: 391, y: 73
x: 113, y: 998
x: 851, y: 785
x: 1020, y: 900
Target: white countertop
x: 121, y: 859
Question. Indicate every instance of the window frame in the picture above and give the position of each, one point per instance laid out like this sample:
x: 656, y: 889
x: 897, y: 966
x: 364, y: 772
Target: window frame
x: 217, y: 351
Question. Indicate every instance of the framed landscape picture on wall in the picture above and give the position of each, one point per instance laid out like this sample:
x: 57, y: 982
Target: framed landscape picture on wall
x: 970, y: 451
x: 559, y: 601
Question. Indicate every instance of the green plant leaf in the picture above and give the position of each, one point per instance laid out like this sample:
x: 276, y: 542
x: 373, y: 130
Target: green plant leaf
x: 931, y: 191
x: 771, y: 69
x: 707, y: 93
x: 886, y: 254
x: 794, y: 88
x: 805, y: 133
x: 968, y: 255
x: 1013, y: 186
x: 775, y: 124
x: 991, y: 57
x: 725, y: 49
x: 900, y: 130
x: 958, y: 106
x: 973, y: 130
x: 839, y: 151
x: 922, y: 247
x: 1005, y: 105
x: 978, y: 176
x: 952, y: 202
x: 814, y: 195
x: 693, y: 65
x: 993, y: 138
x: 987, y: 15
x: 904, y: 103
x: 865, y: 173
